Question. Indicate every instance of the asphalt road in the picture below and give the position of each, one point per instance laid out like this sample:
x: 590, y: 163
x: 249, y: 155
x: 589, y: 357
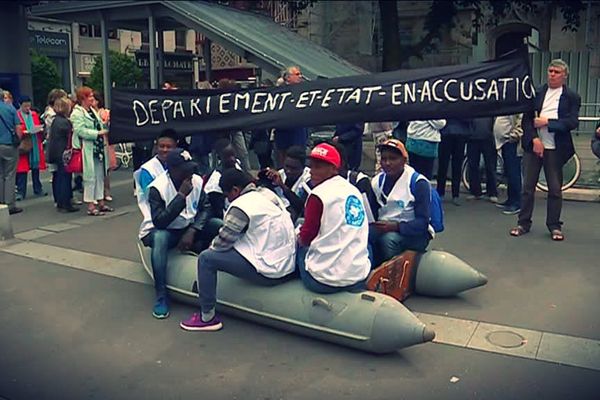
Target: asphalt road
x: 71, y: 334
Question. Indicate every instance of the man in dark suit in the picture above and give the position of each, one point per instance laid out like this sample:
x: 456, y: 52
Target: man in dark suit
x: 547, y: 143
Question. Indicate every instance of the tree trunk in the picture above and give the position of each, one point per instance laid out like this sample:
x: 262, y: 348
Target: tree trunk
x: 391, y: 36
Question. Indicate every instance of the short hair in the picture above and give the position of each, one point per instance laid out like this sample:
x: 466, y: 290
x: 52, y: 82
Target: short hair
x: 288, y: 71
x: 205, y: 85
x: 557, y: 62
x: 296, y: 153
x: 234, y: 177
x: 8, y: 94
x: 55, y: 94
x: 82, y: 92
x: 168, y: 133
x: 62, y: 106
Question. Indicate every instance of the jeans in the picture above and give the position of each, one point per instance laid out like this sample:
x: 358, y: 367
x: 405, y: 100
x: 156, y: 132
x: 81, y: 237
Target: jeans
x: 8, y: 169
x: 161, y: 241
x: 315, y: 286
x: 532, y: 165
x: 385, y: 246
x: 22, y: 182
x: 61, y: 185
x: 512, y: 170
x: 475, y: 148
x: 423, y: 165
x: 232, y: 262
x: 451, y: 147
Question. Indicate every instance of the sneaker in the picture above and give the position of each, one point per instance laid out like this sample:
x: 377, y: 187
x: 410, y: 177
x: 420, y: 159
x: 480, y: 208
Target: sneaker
x: 493, y: 199
x: 161, y: 308
x: 473, y: 197
x: 15, y: 210
x: 19, y: 197
x: 456, y: 201
x: 76, y: 202
x: 195, y: 323
x: 512, y: 210
x: 502, y: 205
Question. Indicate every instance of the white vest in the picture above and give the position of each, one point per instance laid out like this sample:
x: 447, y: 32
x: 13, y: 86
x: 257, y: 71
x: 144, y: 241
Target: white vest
x: 297, y: 186
x: 212, y: 183
x: 338, y: 256
x: 166, y: 188
x: 399, y: 206
x: 269, y: 243
x: 155, y: 168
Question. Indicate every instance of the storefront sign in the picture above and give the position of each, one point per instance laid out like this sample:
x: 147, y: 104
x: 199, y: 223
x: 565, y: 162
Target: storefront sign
x: 173, y: 62
x: 53, y: 44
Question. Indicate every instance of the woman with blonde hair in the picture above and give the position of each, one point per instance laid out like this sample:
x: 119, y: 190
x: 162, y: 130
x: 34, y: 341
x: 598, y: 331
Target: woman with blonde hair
x: 89, y: 134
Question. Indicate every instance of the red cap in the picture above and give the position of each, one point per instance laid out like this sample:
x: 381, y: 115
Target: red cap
x: 328, y: 153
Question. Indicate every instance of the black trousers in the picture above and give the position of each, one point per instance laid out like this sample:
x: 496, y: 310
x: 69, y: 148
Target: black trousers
x: 487, y: 148
x: 451, y: 147
x: 423, y: 165
x: 532, y: 165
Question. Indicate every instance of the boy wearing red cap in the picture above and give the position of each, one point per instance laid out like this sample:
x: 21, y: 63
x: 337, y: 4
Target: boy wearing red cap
x: 333, y: 240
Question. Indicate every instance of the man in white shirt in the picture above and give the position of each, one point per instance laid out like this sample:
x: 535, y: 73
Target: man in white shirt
x: 547, y: 143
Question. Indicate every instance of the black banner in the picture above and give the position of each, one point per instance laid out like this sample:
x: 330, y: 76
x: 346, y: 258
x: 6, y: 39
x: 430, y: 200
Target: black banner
x: 498, y: 87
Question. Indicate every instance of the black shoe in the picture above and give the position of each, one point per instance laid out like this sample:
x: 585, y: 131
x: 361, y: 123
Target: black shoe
x: 15, y: 210
x: 68, y: 209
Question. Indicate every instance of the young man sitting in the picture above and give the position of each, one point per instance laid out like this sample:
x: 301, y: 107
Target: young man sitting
x: 333, y: 240
x: 176, y: 218
x: 403, y: 214
x: 227, y: 159
x: 256, y: 243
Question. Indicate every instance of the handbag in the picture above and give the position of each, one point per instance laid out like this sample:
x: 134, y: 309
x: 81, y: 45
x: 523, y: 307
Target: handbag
x: 25, y: 145
x: 16, y: 140
x: 72, y: 159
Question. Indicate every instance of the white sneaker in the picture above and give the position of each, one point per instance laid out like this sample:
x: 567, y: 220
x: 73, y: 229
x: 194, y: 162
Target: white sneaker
x: 493, y: 199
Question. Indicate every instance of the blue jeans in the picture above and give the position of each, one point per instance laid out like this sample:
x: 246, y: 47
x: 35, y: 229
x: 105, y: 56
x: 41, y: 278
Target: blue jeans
x: 385, y: 246
x: 315, y: 286
x: 161, y: 241
x: 232, y: 262
x: 512, y: 169
x: 21, y: 182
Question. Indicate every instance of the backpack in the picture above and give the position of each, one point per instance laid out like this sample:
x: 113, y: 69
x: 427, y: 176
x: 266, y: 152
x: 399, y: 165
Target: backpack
x: 436, y: 211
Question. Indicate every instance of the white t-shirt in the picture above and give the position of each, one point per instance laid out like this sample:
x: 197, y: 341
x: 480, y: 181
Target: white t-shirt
x: 550, y: 111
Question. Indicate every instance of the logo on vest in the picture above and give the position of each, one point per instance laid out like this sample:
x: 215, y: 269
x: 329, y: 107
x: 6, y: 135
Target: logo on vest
x: 400, y: 204
x: 355, y: 213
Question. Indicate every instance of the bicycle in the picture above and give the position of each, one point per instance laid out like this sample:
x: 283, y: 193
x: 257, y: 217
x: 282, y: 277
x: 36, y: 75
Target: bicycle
x: 124, y: 155
x: 571, y: 173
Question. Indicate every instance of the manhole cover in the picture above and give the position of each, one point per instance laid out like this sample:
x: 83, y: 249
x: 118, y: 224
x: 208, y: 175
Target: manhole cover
x: 506, y: 339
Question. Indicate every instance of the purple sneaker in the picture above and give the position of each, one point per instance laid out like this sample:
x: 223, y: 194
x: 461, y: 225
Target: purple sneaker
x: 195, y: 323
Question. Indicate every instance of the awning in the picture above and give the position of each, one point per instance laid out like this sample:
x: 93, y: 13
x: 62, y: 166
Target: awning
x: 253, y: 36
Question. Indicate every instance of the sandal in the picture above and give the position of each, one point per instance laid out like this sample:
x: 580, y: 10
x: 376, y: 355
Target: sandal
x: 557, y: 235
x: 519, y: 230
x: 95, y: 213
x: 106, y: 209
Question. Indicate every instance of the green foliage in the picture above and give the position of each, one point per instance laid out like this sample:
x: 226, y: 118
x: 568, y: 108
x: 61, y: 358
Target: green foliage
x: 44, y: 77
x: 124, y: 72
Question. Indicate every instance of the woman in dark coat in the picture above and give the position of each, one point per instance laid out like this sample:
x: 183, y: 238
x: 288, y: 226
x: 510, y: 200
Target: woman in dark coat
x: 61, y: 131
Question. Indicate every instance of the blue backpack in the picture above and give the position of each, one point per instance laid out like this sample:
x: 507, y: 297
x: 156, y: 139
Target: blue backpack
x: 436, y: 211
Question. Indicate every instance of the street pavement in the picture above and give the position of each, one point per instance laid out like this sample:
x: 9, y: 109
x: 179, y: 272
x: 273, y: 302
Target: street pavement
x: 69, y: 333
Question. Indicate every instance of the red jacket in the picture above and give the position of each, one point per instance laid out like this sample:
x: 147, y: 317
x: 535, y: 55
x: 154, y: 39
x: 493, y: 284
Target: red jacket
x: 23, y: 164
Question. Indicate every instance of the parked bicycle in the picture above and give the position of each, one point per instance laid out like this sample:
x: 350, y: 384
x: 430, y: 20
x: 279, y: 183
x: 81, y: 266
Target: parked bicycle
x: 571, y: 173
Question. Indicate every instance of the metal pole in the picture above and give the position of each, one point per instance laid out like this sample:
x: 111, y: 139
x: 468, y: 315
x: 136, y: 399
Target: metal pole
x: 152, y: 55
x: 161, y: 57
x: 107, y: 83
x: 207, y: 55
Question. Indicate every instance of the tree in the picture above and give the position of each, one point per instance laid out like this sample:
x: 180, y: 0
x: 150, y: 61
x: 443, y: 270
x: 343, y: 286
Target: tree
x: 124, y: 71
x: 441, y: 18
x: 44, y: 76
